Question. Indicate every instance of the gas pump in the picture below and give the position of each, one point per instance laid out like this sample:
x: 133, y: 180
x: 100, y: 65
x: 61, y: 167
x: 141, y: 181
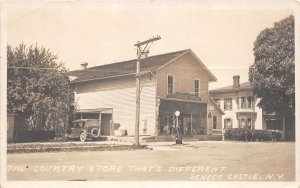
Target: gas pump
x: 178, y: 136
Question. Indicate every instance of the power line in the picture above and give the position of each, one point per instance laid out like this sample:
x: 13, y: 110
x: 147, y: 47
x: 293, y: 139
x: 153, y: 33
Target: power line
x: 10, y: 67
x: 94, y: 71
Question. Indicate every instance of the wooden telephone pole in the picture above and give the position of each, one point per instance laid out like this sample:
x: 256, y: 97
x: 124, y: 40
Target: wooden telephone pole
x: 140, y: 52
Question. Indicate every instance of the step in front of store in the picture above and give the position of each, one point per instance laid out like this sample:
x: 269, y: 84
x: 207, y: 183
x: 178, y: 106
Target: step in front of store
x: 187, y: 138
x: 218, y: 137
x: 129, y: 139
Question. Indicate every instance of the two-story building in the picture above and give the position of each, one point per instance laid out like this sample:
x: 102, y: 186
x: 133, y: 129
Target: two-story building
x: 241, y: 111
x: 176, y: 81
x: 239, y: 105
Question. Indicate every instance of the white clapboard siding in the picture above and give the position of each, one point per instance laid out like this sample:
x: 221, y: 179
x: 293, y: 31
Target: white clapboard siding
x: 122, y: 100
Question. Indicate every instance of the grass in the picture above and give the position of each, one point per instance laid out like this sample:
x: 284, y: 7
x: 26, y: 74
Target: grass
x: 67, y: 146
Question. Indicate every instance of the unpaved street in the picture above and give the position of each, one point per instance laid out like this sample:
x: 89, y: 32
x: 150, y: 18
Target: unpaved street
x: 196, y: 161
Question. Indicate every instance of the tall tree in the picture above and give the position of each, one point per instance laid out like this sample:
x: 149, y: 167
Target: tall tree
x: 273, y: 73
x: 38, y: 88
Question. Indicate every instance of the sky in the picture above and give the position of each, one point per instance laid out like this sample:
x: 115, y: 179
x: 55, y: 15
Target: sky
x: 102, y: 33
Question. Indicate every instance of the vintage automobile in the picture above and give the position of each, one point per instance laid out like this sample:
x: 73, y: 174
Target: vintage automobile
x: 84, y: 129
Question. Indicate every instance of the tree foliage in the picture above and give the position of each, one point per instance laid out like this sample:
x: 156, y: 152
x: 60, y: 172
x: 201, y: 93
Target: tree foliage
x: 273, y: 73
x: 38, y: 88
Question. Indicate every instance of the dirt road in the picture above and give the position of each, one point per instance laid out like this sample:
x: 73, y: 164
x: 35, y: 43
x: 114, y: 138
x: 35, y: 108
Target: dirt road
x: 195, y: 161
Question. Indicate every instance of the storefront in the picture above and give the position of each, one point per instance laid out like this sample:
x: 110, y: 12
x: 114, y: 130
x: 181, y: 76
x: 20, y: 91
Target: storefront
x: 192, y: 119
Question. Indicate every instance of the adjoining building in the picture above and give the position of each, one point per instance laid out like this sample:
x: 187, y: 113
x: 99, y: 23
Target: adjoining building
x: 241, y: 111
x: 169, y: 82
x: 239, y: 104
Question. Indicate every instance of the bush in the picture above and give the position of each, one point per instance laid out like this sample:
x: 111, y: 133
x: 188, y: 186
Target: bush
x: 33, y: 136
x: 239, y: 134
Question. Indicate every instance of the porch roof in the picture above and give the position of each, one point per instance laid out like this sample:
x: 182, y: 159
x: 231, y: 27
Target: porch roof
x: 246, y: 113
x: 212, y: 101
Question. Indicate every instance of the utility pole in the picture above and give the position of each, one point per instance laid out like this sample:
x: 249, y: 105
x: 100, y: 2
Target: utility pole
x: 140, y: 52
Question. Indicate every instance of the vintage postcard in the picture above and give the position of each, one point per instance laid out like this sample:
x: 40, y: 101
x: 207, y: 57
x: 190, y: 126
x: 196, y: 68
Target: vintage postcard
x: 149, y: 93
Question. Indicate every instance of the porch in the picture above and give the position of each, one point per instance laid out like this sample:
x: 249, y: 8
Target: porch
x: 192, y: 120
x: 246, y: 119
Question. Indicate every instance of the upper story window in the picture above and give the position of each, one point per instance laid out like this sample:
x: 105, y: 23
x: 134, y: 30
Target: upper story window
x: 228, y: 104
x: 246, y: 102
x: 218, y: 102
x: 197, y: 87
x: 249, y: 102
x: 170, y: 84
x: 243, y: 102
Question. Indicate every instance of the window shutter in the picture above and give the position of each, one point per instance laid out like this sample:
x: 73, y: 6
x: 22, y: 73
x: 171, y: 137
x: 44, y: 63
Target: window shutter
x: 199, y: 88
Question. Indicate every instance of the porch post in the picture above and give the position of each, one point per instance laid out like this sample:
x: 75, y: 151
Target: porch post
x: 223, y: 132
x: 191, y: 123
x: 157, y: 119
x: 100, y: 119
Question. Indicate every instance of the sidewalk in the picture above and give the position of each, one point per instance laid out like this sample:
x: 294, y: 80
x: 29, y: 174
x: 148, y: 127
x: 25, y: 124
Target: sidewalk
x: 69, y: 146
x: 116, y: 143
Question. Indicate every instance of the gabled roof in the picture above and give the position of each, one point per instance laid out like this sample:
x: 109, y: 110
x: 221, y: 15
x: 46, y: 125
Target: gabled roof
x: 126, y: 68
x: 243, y: 86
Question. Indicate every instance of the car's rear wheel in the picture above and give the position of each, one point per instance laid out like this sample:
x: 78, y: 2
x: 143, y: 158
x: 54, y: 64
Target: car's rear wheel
x: 82, y: 136
x: 95, y: 133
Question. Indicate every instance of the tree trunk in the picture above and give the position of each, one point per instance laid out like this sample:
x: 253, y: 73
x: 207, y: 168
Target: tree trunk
x: 283, y: 128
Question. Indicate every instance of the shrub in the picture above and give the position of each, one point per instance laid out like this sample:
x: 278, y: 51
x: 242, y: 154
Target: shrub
x: 239, y: 134
x: 33, y: 136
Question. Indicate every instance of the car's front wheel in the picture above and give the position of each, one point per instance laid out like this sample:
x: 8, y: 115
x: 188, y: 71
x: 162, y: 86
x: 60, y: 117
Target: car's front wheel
x: 82, y: 136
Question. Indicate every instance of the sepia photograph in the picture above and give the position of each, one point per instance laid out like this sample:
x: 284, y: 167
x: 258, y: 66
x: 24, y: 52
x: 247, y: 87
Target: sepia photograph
x: 148, y: 92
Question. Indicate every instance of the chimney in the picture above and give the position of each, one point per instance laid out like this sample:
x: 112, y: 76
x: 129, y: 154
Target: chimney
x: 236, y: 81
x: 84, y: 65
